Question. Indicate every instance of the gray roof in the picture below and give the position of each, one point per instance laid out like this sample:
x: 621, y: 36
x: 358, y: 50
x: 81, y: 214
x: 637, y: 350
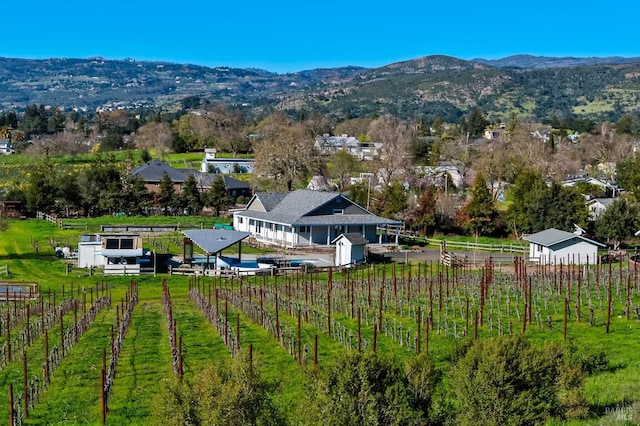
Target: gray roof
x: 552, y: 236
x: 354, y: 238
x: 206, y: 181
x: 231, y: 183
x: 606, y: 202
x: 154, y: 170
x: 270, y: 199
x: 214, y: 240
x: 296, y: 208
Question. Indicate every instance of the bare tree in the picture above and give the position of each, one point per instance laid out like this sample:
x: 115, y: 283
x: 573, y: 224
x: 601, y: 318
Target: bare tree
x: 158, y: 136
x: 227, y: 129
x: 286, y: 152
x: 395, y: 137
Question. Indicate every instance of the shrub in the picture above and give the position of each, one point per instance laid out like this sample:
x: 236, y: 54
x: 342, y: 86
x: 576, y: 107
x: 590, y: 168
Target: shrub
x: 363, y: 388
x: 508, y: 381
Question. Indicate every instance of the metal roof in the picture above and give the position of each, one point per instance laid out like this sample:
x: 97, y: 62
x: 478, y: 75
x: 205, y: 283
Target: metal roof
x: 296, y: 208
x: 552, y: 236
x: 353, y: 237
x: 214, y: 241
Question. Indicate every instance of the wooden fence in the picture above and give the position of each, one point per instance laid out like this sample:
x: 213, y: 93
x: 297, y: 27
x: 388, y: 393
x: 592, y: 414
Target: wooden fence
x: 521, y: 249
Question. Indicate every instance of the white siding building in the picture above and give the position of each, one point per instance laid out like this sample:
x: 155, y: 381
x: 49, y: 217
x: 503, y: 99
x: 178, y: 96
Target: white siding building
x: 553, y: 246
x: 350, y: 249
x: 309, y: 218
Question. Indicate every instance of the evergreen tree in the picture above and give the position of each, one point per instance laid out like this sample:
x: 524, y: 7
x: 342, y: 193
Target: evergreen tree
x: 475, y: 123
x: 100, y: 185
x: 190, y: 196
x: 217, y: 197
x: 42, y: 187
x: 523, y: 197
x: 423, y: 216
x: 479, y: 215
x: 360, y: 194
x: 619, y: 221
x: 628, y: 174
x: 166, y: 196
x: 392, y: 201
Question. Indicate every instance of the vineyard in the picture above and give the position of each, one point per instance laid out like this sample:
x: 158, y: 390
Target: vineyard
x: 311, y: 317
x: 88, y: 350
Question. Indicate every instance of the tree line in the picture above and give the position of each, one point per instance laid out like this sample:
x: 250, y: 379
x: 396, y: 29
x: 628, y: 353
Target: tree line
x: 105, y: 186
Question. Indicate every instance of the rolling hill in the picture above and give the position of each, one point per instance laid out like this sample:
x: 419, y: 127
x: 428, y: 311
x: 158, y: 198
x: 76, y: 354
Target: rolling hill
x: 601, y: 88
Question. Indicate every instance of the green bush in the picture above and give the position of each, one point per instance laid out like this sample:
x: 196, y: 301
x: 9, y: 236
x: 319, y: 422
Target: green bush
x: 508, y: 381
x: 363, y: 389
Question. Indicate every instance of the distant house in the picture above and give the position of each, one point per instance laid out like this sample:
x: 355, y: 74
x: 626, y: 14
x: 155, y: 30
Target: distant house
x: 153, y: 172
x: 553, y: 246
x: 597, y: 206
x: 6, y: 148
x: 493, y: 134
x: 607, y: 188
x: 121, y: 254
x: 350, y: 249
x: 439, y: 172
x: 367, y: 151
x: 308, y: 218
x: 212, y: 164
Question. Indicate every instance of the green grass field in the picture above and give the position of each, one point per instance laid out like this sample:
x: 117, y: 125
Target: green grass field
x: 73, y: 396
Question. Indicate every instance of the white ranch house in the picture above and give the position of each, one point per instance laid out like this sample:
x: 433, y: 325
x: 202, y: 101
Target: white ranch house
x: 553, y: 247
x: 309, y: 218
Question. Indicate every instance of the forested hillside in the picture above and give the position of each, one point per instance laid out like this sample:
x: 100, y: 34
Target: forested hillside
x: 428, y: 87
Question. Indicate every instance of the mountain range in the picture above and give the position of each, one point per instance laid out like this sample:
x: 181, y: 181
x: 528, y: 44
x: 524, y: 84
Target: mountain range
x: 427, y: 87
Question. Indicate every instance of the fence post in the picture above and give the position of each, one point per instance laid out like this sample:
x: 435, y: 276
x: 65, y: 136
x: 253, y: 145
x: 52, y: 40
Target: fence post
x: 11, y: 413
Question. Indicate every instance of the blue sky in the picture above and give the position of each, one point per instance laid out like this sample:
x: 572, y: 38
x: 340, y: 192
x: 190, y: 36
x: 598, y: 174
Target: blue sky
x: 294, y: 36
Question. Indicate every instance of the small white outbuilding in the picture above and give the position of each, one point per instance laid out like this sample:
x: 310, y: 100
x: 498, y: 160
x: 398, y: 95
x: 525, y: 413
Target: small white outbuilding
x: 350, y: 249
x: 553, y: 246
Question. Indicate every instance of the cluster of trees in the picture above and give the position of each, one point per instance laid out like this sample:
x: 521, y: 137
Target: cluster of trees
x: 106, y: 187
x: 522, y: 164
x: 502, y: 380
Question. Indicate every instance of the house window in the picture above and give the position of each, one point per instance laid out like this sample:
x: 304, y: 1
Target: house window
x: 240, y: 220
x: 539, y: 247
x: 338, y: 211
x: 112, y: 243
x: 305, y: 229
x: 252, y: 222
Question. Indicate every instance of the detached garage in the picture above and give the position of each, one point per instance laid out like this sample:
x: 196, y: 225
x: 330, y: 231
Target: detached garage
x: 553, y: 246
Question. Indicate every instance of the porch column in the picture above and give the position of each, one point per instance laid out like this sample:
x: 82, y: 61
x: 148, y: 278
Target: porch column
x: 310, y: 235
x: 328, y: 234
x: 397, y: 234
